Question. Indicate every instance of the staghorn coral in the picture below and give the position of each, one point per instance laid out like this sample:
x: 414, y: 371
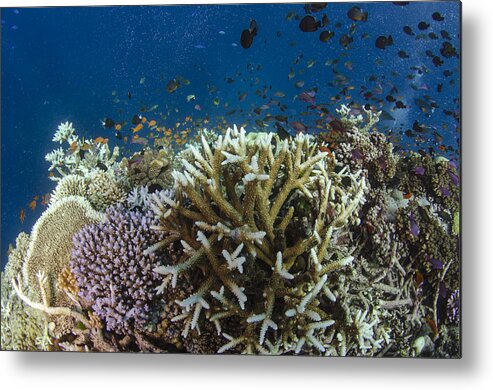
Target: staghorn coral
x: 150, y: 168
x: 113, y: 274
x: 80, y: 156
x: 233, y: 215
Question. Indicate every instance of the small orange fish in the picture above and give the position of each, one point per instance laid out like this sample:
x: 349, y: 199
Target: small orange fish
x: 86, y: 147
x: 22, y: 215
x: 419, y: 278
x: 442, y: 148
x: 73, y: 146
x: 144, y: 119
x: 45, y: 199
x: 138, y: 128
x: 118, y: 127
x: 125, y: 139
x: 407, y: 196
x: 151, y: 123
x: 101, y: 140
x: 32, y: 205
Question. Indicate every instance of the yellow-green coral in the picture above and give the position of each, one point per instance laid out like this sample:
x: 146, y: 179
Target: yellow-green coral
x: 242, y: 194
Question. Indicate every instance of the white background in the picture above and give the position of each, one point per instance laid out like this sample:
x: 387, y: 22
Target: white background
x: 73, y: 371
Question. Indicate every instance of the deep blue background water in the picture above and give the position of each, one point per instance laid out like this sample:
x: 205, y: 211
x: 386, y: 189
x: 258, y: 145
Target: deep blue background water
x: 77, y: 64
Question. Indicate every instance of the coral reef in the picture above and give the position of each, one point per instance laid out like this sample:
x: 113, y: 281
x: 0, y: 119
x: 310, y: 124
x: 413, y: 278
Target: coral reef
x: 242, y: 243
x: 114, y: 275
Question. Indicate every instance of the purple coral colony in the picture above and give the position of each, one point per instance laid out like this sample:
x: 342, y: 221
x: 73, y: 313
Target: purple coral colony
x: 242, y: 241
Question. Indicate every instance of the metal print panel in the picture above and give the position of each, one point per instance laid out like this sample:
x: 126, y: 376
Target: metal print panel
x: 274, y: 179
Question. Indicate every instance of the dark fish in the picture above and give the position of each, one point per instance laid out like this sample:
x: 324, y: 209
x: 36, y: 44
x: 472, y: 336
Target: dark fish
x: 108, y: 123
x: 385, y: 116
x: 247, y: 36
x: 309, y: 24
x: 118, y: 135
x: 436, y: 16
x: 356, y: 14
x: 445, y: 35
x: 136, y: 119
x: 172, y: 85
x: 307, y: 96
x: 101, y: 166
x: 437, y: 61
x: 418, y: 128
x: 129, y: 95
x: 325, y: 20
x: 403, y: 54
x: 345, y: 40
x: 401, y: 3
x: 299, y: 127
x: 281, y: 131
x: 439, y: 87
x: 423, y: 25
x: 432, y: 35
x: 400, y: 104
x: 325, y: 35
x: 382, y: 42
x: 408, y: 30
x: 314, y: 7
x: 448, y: 50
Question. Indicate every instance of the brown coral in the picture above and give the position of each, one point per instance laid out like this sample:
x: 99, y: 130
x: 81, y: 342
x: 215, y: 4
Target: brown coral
x: 151, y: 168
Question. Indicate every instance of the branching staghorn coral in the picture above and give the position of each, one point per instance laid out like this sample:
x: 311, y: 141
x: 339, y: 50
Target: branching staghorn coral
x: 233, y: 214
x: 80, y: 156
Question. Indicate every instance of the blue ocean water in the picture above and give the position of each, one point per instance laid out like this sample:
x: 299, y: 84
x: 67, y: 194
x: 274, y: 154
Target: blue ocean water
x: 84, y: 64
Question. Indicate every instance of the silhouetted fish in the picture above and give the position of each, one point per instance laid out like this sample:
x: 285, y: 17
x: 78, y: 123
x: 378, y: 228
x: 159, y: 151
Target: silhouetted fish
x: 309, y: 24
x: 247, y: 36
x: 108, y: 123
x: 326, y: 35
x: 382, y: 41
x: 357, y: 14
